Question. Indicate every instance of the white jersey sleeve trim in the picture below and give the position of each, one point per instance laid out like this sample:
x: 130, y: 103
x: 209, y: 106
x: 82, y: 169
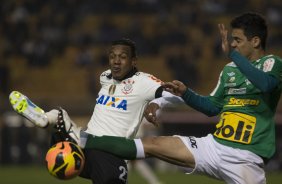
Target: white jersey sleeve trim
x: 167, y: 100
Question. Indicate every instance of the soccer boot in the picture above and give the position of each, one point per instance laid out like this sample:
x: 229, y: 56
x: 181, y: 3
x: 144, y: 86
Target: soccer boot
x: 67, y: 129
x: 25, y: 107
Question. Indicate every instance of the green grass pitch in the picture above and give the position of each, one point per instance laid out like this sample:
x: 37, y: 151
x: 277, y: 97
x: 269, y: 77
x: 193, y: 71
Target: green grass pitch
x: 35, y: 175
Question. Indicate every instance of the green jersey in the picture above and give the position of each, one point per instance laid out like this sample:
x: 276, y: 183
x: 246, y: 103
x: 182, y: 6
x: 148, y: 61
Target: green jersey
x: 247, y: 116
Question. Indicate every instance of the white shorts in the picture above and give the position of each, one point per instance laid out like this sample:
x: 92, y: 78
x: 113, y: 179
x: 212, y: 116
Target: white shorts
x: 225, y: 163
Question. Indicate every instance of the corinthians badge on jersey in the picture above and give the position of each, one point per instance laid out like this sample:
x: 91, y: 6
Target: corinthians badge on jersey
x: 112, y: 89
x: 128, y: 86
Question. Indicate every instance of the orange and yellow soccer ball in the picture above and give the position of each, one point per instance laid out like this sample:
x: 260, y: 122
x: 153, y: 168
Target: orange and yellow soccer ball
x: 65, y: 160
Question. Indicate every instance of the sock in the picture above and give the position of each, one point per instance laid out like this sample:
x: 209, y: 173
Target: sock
x: 118, y: 146
x: 83, y: 139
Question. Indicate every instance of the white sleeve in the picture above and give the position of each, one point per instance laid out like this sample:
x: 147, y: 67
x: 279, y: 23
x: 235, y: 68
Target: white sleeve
x: 168, y: 100
x: 149, y: 85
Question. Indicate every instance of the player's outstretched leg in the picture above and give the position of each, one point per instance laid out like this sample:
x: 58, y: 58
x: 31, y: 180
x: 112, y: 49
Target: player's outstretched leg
x: 22, y: 105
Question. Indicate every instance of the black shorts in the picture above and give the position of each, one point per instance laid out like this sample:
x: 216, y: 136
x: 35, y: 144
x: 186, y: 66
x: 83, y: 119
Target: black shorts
x: 104, y: 168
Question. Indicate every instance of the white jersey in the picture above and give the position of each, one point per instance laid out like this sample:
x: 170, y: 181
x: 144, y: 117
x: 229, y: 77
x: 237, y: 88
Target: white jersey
x: 120, y: 104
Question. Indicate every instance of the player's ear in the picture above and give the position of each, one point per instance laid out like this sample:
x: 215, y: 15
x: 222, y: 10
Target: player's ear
x: 134, y: 61
x: 256, y: 41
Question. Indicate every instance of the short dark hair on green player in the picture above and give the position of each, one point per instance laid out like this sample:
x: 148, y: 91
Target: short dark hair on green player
x: 252, y: 24
x: 127, y: 42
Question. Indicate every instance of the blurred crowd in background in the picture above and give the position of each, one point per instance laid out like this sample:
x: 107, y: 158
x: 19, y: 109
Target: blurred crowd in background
x: 54, y: 50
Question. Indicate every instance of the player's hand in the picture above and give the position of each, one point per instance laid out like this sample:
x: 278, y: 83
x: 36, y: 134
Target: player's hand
x: 150, y: 113
x: 224, y: 40
x: 175, y: 87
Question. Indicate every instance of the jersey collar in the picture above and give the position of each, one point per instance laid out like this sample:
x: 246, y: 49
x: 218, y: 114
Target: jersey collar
x: 130, y: 74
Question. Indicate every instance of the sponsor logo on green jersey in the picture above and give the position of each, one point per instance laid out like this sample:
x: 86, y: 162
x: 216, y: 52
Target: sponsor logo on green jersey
x: 242, y: 102
x: 233, y: 91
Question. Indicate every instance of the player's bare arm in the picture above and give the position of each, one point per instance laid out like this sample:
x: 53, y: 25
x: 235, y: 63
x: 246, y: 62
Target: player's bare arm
x: 175, y: 87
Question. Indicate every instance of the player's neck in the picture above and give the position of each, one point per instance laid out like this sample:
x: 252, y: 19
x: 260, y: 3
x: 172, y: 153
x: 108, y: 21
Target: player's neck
x: 257, y: 55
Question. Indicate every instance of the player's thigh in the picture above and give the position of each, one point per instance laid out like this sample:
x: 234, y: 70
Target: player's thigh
x: 244, y: 174
x: 242, y: 169
x: 104, y: 168
x: 170, y: 149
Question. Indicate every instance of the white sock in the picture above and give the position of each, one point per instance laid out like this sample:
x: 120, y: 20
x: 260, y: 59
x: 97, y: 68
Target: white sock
x: 140, y: 148
x: 83, y: 139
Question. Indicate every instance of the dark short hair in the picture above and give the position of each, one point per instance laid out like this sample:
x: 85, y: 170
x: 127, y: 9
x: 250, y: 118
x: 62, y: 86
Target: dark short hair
x: 252, y: 24
x: 127, y: 42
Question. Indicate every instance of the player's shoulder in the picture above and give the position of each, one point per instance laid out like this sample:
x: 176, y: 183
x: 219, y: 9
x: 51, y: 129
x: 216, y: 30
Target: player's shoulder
x: 269, y: 58
x: 231, y: 64
x: 230, y: 67
x: 269, y: 63
x: 140, y: 74
x: 272, y: 56
x: 105, y: 75
x: 145, y: 76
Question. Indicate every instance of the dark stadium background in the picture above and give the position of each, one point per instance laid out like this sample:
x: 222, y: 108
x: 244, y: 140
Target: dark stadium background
x: 54, y: 50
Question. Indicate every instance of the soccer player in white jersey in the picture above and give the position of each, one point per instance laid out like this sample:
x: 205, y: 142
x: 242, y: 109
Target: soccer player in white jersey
x: 123, y: 96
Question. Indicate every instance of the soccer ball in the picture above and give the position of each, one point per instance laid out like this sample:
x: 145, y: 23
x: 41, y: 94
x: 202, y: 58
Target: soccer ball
x: 65, y: 160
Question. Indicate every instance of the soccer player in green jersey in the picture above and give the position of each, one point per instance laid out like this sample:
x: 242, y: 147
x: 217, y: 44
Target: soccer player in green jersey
x: 245, y: 97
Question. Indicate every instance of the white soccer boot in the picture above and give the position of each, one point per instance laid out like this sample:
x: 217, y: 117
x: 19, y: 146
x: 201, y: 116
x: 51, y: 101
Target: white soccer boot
x: 25, y: 107
x: 68, y: 130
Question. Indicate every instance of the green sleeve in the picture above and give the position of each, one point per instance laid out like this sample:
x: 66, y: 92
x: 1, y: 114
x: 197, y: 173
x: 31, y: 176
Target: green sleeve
x: 200, y: 103
x: 265, y: 79
x: 217, y: 95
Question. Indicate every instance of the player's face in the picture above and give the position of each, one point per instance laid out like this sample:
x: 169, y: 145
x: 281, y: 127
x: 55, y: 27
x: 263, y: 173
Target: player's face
x: 121, y: 61
x: 241, y: 44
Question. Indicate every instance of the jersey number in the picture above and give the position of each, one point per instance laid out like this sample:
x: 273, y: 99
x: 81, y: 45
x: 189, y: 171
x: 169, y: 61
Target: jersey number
x: 123, y: 175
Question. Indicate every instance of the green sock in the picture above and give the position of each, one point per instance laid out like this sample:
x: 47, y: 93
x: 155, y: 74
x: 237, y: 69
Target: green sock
x: 119, y: 146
